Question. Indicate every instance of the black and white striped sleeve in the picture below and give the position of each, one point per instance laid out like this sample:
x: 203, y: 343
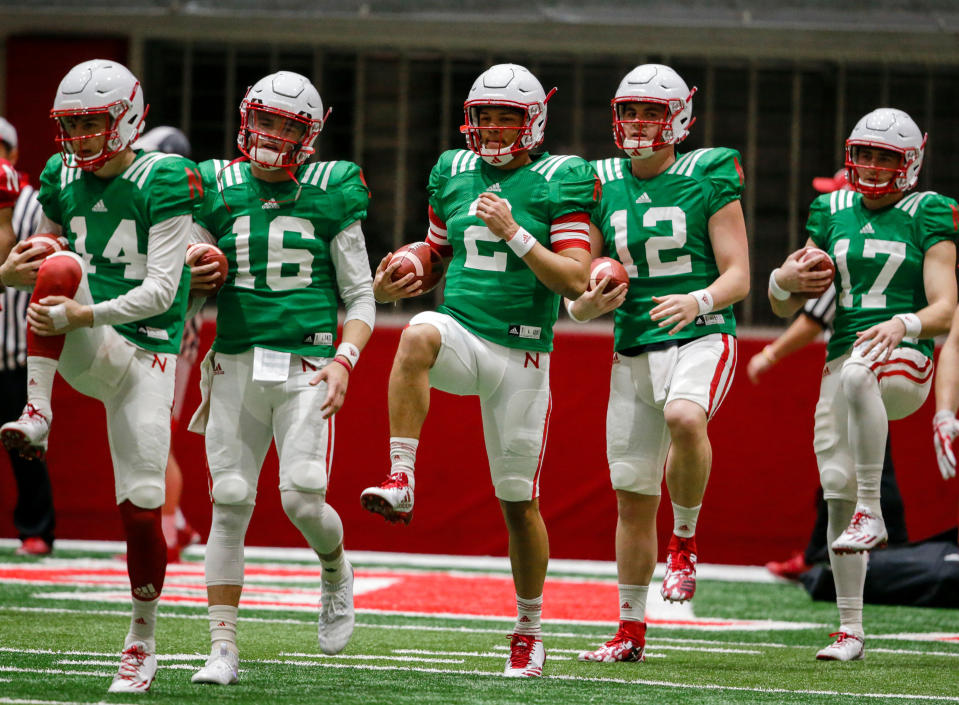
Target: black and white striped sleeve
x: 823, y: 309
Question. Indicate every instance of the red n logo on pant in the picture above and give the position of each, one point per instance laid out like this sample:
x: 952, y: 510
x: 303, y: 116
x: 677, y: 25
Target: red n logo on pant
x: 157, y: 360
x: 531, y: 359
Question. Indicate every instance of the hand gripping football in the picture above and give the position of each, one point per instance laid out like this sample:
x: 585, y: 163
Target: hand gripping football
x: 421, y: 260
x: 49, y: 242
x: 209, y: 254
x: 603, y: 267
x: 824, y: 264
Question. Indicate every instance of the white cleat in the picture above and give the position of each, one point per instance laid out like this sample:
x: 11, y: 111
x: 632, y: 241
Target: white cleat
x: 392, y: 498
x: 526, y: 657
x: 221, y: 668
x: 337, y: 616
x: 865, y: 532
x: 847, y: 647
x: 138, y: 667
x: 28, y: 434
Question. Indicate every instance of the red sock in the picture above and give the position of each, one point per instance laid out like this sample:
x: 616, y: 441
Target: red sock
x: 57, y: 276
x: 146, y: 550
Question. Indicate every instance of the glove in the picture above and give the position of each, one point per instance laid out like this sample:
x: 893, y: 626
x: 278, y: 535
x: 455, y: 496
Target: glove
x: 945, y: 429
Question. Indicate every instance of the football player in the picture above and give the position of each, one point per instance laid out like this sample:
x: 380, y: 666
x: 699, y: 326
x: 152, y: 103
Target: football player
x: 514, y: 224
x: 108, y: 314
x: 676, y: 224
x: 292, y: 235
x: 895, y: 256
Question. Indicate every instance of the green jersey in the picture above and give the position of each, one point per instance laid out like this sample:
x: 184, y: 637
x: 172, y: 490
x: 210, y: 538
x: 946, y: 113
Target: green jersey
x: 108, y: 221
x: 879, y: 258
x: 659, y: 229
x: 490, y: 290
x: 281, y: 290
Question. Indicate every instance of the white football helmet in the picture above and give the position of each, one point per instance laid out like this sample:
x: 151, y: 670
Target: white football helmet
x: 509, y: 86
x: 653, y: 83
x: 289, y: 96
x: 99, y: 87
x: 894, y: 131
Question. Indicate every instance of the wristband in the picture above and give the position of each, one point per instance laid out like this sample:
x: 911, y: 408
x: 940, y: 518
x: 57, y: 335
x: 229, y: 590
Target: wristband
x: 777, y: 291
x: 350, y: 352
x: 344, y: 363
x: 767, y: 353
x: 704, y: 300
x: 911, y: 322
x: 521, y: 242
x: 569, y: 310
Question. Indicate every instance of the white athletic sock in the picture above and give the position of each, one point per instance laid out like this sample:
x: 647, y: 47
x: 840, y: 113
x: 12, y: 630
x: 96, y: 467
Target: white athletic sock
x: 848, y: 571
x: 223, y: 619
x: 143, y: 623
x: 40, y: 374
x: 335, y: 571
x: 528, y: 616
x: 868, y: 429
x: 403, y: 455
x: 632, y: 603
x: 684, y: 520
x: 180, y: 520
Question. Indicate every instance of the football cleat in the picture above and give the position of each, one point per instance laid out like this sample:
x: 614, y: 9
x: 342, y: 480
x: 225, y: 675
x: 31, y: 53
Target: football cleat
x: 221, y: 668
x: 526, y: 656
x: 392, y: 498
x: 865, y: 532
x: 791, y: 568
x: 138, y: 667
x: 847, y: 647
x: 679, y: 583
x: 34, y: 546
x: 28, y: 434
x: 337, y: 615
x: 628, y: 644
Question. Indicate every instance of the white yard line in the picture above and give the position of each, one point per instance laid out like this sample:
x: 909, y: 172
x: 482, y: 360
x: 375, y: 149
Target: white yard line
x: 498, y: 564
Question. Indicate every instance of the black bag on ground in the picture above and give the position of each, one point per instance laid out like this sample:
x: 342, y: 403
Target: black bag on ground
x: 923, y: 574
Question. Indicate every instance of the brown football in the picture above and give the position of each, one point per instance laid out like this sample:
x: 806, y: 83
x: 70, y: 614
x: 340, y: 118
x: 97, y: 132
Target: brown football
x: 49, y: 242
x: 422, y: 261
x: 211, y: 253
x: 603, y: 267
x: 825, y: 264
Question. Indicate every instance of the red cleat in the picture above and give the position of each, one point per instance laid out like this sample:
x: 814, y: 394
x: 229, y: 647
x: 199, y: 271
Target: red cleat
x: 679, y: 585
x: 628, y: 645
x: 34, y: 546
x: 791, y: 568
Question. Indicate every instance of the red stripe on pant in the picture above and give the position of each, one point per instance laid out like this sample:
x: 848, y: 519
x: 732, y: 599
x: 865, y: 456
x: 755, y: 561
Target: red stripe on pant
x: 718, y: 375
x: 542, y: 448
x: 57, y: 276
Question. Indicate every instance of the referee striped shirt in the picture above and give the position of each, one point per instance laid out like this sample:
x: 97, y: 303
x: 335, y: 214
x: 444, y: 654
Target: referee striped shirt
x: 822, y: 310
x: 13, y: 317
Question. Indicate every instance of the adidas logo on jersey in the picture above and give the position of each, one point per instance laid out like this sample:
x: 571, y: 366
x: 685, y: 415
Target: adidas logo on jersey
x: 494, y: 187
x: 867, y: 229
x: 100, y: 207
x: 270, y: 204
x: 644, y: 198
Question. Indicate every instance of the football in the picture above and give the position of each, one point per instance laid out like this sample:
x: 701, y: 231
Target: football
x: 825, y: 264
x: 603, y: 267
x: 49, y: 242
x: 421, y: 260
x: 210, y: 254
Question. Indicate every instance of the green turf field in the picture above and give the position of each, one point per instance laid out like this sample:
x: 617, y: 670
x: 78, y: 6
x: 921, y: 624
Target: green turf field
x: 59, y: 643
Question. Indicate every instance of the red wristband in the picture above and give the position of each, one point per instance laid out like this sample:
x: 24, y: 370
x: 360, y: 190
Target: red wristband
x: 344, y: 363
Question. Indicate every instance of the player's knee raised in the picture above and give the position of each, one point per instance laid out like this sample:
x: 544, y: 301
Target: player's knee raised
x: 856, y: 378
x: 60, y: 274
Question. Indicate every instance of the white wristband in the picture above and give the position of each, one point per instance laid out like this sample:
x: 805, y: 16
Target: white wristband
x: 521, y: 243
x: 349, y: 351
x: 911, y: 322
x: 777, y: 291
x: 569, y: 310
x: 704, y: 300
